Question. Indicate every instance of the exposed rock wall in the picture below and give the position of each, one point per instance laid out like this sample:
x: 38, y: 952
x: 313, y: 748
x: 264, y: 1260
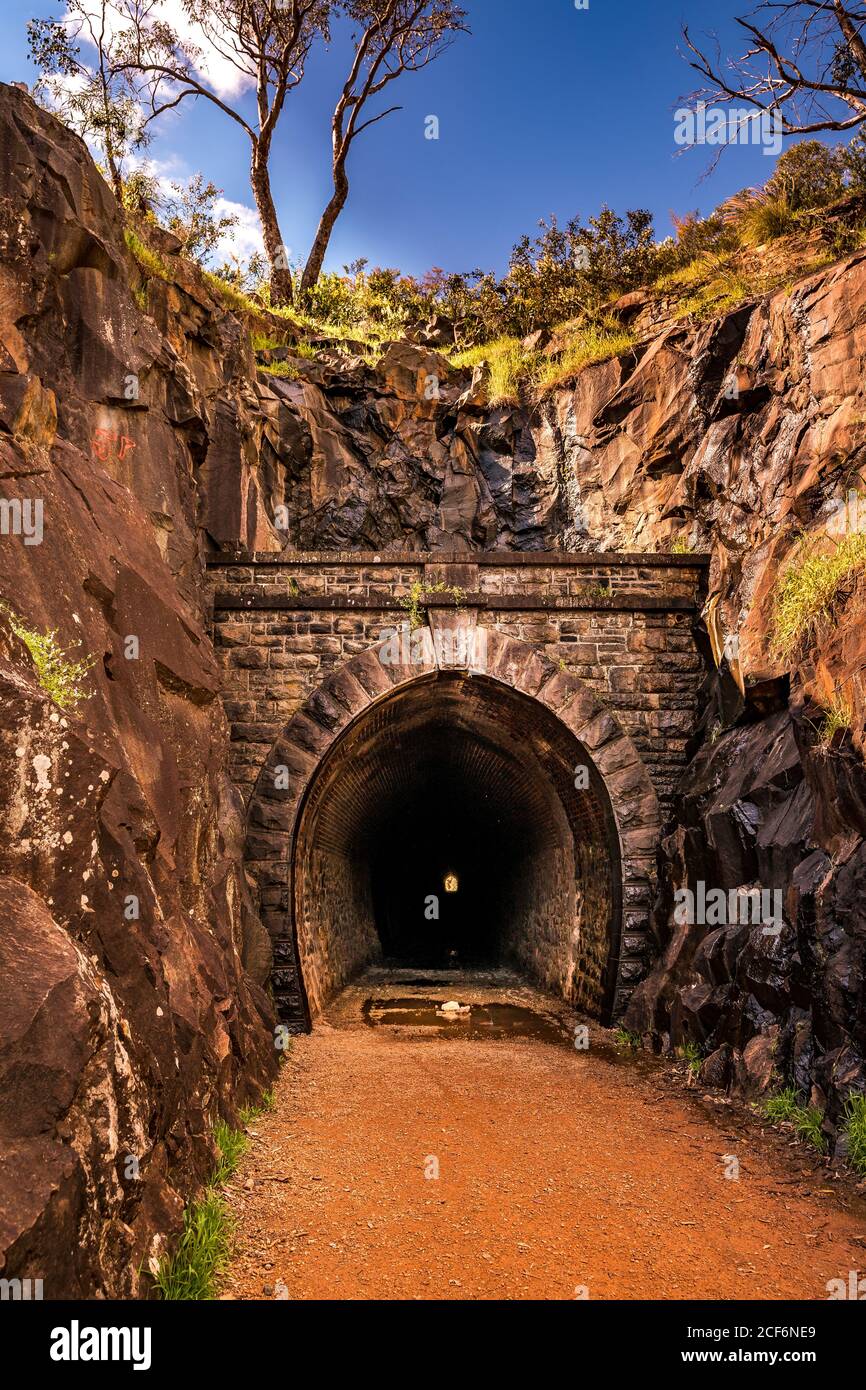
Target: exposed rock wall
x: 131, y: 409
x: 131, y: 955
x: 737, y: 436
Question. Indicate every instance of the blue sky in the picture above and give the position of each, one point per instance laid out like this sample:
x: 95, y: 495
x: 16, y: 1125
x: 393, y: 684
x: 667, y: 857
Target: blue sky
x: 542, y: 109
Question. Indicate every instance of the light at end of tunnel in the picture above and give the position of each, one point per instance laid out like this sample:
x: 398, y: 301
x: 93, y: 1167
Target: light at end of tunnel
x: 451, y: 883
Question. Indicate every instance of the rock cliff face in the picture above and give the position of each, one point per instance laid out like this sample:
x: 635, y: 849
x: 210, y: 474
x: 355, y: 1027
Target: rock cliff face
x: 136, y: 432
x: 132, y: 1011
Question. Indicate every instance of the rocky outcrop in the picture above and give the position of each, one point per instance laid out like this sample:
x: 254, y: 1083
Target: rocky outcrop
x: 131, y: 955
x: 403, y: 456
x: 133, y: 413
x: 737, y: 437
x: 763, y: 808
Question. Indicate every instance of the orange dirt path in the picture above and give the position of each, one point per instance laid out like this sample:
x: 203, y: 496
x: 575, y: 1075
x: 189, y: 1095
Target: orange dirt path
x: 558, y: 1170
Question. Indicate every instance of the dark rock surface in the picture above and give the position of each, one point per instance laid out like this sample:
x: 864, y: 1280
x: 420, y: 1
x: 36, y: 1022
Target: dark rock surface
x: 126, y: 1027
x: 767, y: 1010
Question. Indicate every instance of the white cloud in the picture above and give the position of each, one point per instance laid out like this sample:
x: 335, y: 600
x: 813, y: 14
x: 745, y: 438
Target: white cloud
x: 241, y: 240
x: 220, y: 71
x: 246, y: 237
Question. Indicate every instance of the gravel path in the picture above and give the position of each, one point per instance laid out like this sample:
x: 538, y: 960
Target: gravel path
x: 558, y: 1171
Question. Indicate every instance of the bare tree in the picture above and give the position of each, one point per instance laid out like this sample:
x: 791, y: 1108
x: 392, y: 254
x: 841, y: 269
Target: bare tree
x: 91, y: 97
x: 266, y: 42
x: 804, y: 61
x: 392, y: 37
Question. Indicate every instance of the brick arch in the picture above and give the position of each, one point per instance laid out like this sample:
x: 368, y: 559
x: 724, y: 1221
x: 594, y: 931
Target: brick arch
x: 288, y: 778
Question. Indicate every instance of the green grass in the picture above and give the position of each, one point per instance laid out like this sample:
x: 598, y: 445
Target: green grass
x: 507, y: 366
x: 193, y: 1268
x: 249, y: 1113
x: 702, y: 269
x: 231, y: 296
x: 201, y: 1254
x: 784, y: 1108
x: 290, y: 371
x: 510, y: 367
x: 149, y: 261
x: 589, y: 345
x: 811, y: 588
x: 725, y: 291
x: 265, y: 342
x: 839, y: 716
x: 855, y: 1132
x: 630, y: 1042
x: 61, y: 678
x: 232, y: 1145
x: 759, y: 218
x: 691, y: 1053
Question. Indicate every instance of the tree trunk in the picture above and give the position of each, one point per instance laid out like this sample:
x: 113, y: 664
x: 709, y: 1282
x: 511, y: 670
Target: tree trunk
x: 315, y: 260
x: 281, y: 275
x: 116, y: 180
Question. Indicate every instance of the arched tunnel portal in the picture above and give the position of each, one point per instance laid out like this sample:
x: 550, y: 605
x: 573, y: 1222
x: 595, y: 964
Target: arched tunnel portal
x: 459, y: 821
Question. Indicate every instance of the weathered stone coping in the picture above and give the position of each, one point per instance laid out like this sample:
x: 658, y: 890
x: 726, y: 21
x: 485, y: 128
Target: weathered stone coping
x: 612, y: 559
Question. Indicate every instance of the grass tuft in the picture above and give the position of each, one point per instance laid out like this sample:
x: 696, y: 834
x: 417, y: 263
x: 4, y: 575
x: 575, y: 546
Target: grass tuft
x: 692, y: 1055
x: 812, y: 586
x: 589, y: 345
x: 192, y: 1270
x: 230, y: 295
x: 148, y: 260
x: 839, y: 716
x: 855, y: 1132
x: 507, y: 366
x: 201, y: 1253
x: 784, y: 1108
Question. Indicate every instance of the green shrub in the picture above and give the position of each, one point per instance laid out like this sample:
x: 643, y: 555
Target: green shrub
x: 61, y: 678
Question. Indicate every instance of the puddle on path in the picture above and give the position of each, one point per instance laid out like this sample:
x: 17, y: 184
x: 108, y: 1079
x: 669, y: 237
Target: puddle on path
x: 484, y: 1021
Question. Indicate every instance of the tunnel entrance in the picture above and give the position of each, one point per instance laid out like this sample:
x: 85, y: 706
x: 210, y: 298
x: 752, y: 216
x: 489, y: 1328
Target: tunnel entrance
x: 459, y: 823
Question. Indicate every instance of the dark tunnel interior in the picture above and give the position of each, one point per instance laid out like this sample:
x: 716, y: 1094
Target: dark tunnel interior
x: 445, y: 830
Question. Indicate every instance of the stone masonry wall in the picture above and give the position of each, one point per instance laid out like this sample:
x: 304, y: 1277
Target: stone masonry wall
x: 624, y: 625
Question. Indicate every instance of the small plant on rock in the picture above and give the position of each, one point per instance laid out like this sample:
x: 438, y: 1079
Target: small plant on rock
x: 61, y: 678
x: 416, y: 601
x: 692, y: 1056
